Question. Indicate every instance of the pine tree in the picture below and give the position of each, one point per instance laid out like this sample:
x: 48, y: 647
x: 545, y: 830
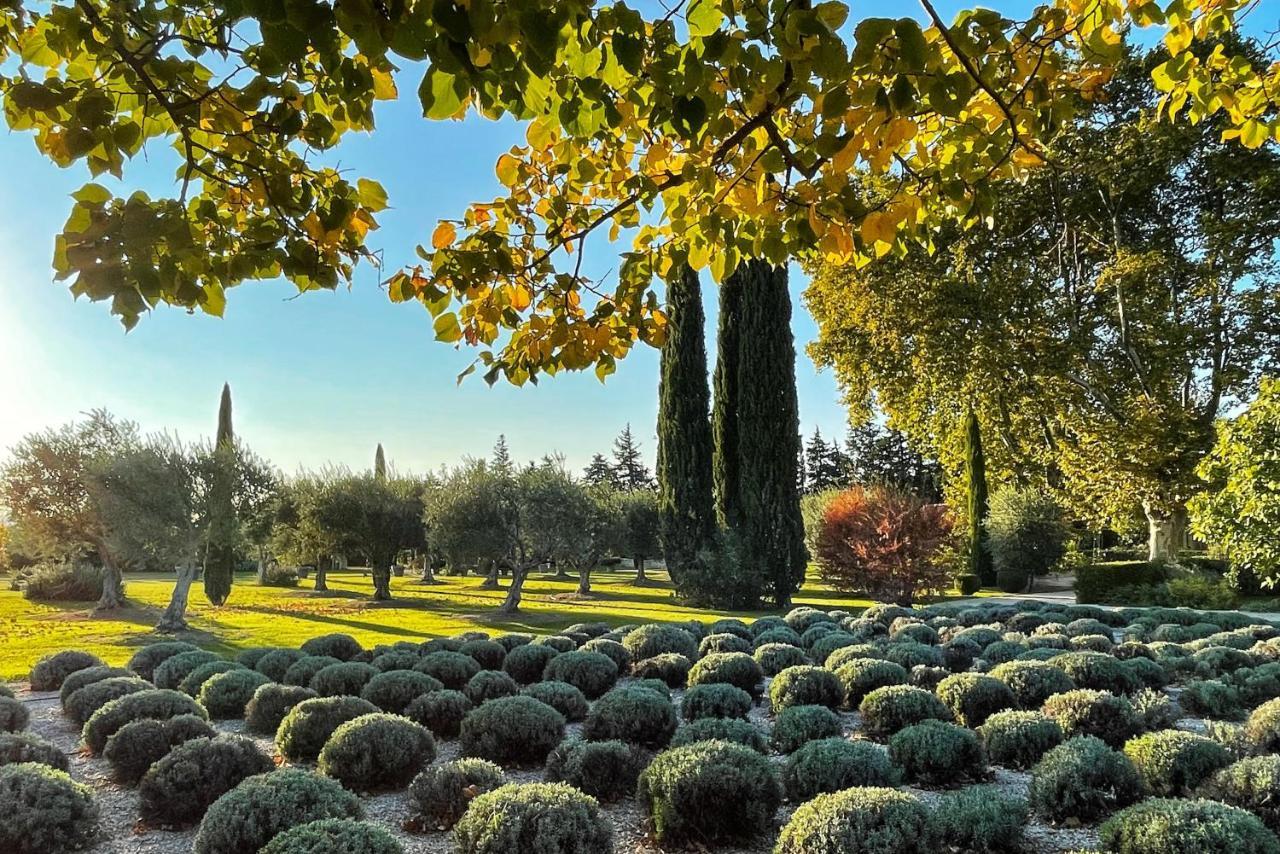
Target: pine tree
x: 379, y: 464
x: 825, y: 463
x: 975, y: 471
x: 501, y: 460
x: 630, y: 472
x: 599, y: 472
x: 220, y: 546
x: 685, y: 497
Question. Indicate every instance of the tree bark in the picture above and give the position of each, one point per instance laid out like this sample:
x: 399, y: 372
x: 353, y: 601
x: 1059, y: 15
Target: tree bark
x: 1166, y: 531
x: 491, y: 579
x: 584, y: 580
x: 322, y: 570
x: 638, y: 562
x: 112, y: 584
x: 175, y: 616
x: 561, y: 575
x: 511, y: 604
x: 262, y: 569
x: 428, y: 571
x: 381, y: 583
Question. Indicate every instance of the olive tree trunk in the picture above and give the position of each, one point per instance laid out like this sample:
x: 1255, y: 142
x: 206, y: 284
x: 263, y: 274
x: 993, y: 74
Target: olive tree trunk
x: 112, y: 583
x: 381, y: 583
x: 175, y: 616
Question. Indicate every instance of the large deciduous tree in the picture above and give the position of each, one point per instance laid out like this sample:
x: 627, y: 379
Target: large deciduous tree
x: 1118, y: 303
x: 375, y: 518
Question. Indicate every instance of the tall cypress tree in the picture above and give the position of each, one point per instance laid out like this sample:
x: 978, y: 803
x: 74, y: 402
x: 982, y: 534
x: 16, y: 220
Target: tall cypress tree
x: 686, y: 505
x: 769, y: 527
x: 220, y: 547
x: 724, y: 417
x: 975, y: 472
x: 380, y: 463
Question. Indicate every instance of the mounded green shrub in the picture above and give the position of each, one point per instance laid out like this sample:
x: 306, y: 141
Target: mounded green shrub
x: 180, y: 786
x: 83, y: 702
x: 275, y: 663
x: 80, y: 678
x: 345, y: 679
x: 981, y: 819
x: 302, y: 671
x: 452, y: 669
x: 270, y: 703
x: 488, y: 654
x: 490, y: 685
x: 671, y: 668
x: 605, y: 770
x: 909, y: 654
x: 1082, y: 778
x: 1098, y: 713
x: 593, y: 673
x: 612, y: 648
x: 709, y: 791
x: 44, y: 810
x: 631, y: 714
x: 259, y: 809
x: 338, y: 645
x: 170, y: 672
x: 18, y: 747
x: 308, y: 725
x: 715, y: 701
x: 730, y: 668
x: 1209, y: 698
x: 441, y: 793
x: 377, y: 751
x: 250, y: 656
x: 50, y: 671
x: 334, y: 836
x: 145, y: 660
x: 156, y: 703
x: 1175, y: 826
x: 560, y: 642
x: 1215, y: 661
x: 1017, y: 739
x: 870, y: 820
x: 564, y: 698
x: 974, y: 697
x: 928, y: 678
x: 1252, y: 784
x: 13, y: 715
x: 735, y: 730
x: 1146, y: 672
x: 832, y: 764
x: 655, y: 639
x: 938, y: 752
x: 886, y: 710
x: 516, y: 731
x: 805, y: 685
x: 526, y: 663
x: 441, y: 712
x: 774, y: 658
x: 1262, y: 728
x: 1033, y: 682
x: 724, y: 642
x: 1173, y: 762
x: 1096, y: 671
x: 798, y: 725
x: 548, y: 818
x: 861, y: 676
x: 225, y: 696
x: 822, y: 648
x: 202, y: 673
x: 137, y: 746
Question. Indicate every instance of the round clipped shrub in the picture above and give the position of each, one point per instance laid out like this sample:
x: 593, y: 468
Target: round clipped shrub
x: 488, y: 654
x: 345, y: 679
x: 671, y: 668
x: 396, y: 659
x: 338, y: 645
x: 655, y: 639
x: 805, y: 685
x: 157, y: 703
x: 709, y: 791
x: 735, y: 730
x: 393, y: 690
x: 1146, y: 672
x: 308, y: 725
x: 605, y: 770
x: 593, y: 673
x: 1214, y: 661
x: 377, y: 751
x: 1252, y: 784
x: 526, y: 663
x: 80, y: 678
x: 453, y: 644
x: 1098, y: 713
x: 179, y: 787
x: 170, y: 672
x: 870, y: 820
x: 832, y: 764
x: 226, y: 695
x: 262, y: 807
x: 631, y: 714
x: 1262, y: 728
x: 1096, y: 671
x: 548, y: 818
x: 886, y: 710
x: 453, y: 669
x: 44, y: 810
x: 83, y: 702
x: 1017, y: 739
x: 827, y: 644
x: 724, y: 642
x: 937, y: 752
x: 861, y: 676
x: 441, y: 793
x: 612, y: 648
x: 270, y: 703
x: 516, y: 731
x: 1175, y: 826
x: 19, y: 747
x: 440, y: 711
x: 778, y: 634
x: 655, y: 685
x: 334, y: 836
x: 302, y: 671
x: 250, y: 656
x: 13, y: 715
x: 798, y: 725
x: 774, y: 658
x: 1172, y: 762
x: 275, y: 663
x: 145, y: 660
x: 1082, y: 778
x: 137, y: 746
x: 1033, y: 682
x: 560, y: 643
x: 564, y: 698
x: 50, y: 671
x: 909, y: 654
x: 974, y: 697
x: 981, y: 819
x: 730, y: 668
x: 490, y: 685
x: 1209, y: 698
x: 202, y: 673
x: 715, y: 701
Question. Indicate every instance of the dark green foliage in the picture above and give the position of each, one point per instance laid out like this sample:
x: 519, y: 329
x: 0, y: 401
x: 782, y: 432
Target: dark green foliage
x: 441, y: 712
x: 910, y: 654
x: 827, y: 644
x: 259, y: 809
x: 179, y: 787
x: 805, y: 685
x: 671, y: 668
x: 516, y: 731
x: 735, y: 730
x: 928, y: 678
x: 137, y: 746
x: 399, y: 659
x: 979, y: 820
x: 612, y: 648
x: 870, y: 820
x: 145, y: 660
x: 44, y: 810
x: 709, y: 791
x: 968, y: 583
x: 453, y: 644
x: 1173, y: 762
x: 1155, y: 709
x: 453, y: 669
x: 393, y: 690
x: 1097, y: 582
x: 1252, y: 784
x: 560, y: 643
x: 50, y: 671
x: 1019, y: 739
x: 655, y: 639
x: 1002, y: 651
x: 1083, y: 779
x: 832, y: 764
x: 1033, y: 682
x: 938, y: 752
x: 81, y: 705
x: 861, y: 676
x: 550, y: 818
x: 526, y: 663
x: 346, y: 679
x: 308, y: 725
x: 564, y: 698
x: 1098, y: 713
x: 195, y: 680
x: 798, y: 725
x: 226, y: 694
x: 1210, y: 698
x: 593, y: 673
x: 1096, y: 670
x: 490, y: 685
x: 80, y: 678
x: 334, y: 836
x: 305, y: 669
x: 156, y: 703
x: 1262, y: 729
x: 250, y: 656
x: 338, y: 645
x: 774, y: 658
x: 715, y: 700
x: 220, y: 552
x: 170, y: 672
x: 1095, y: 643
x: 887, y: 710
x: 778, y: 634
x: 631, y: 714
x: 730, y: 668
x: 974, y: 697
x: 605, y: 770
x: 1173, y: 826
x: 656, y: 685
x: 975, y: 478
x: 441, y: 793
x: 377, y: 751
x: 276, y: 663
x: 488, y: 654
x: 724, y: 642
x: 17, y: 747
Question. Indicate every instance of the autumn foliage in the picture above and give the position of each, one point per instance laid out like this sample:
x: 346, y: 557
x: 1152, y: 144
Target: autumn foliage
x: 883, y: 543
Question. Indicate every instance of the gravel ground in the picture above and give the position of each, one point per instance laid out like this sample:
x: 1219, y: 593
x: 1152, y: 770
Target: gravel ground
x: 122, y: 834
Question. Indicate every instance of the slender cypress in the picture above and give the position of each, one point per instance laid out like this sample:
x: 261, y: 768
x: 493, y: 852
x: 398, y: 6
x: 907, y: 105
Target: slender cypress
x: 220, y: 550
x: 724, y: 417
x: 975, y: 471
x: 686, y: 504
x: 379, y: 464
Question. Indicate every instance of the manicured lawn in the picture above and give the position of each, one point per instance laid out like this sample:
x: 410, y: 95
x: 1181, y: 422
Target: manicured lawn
x: 270, y: 616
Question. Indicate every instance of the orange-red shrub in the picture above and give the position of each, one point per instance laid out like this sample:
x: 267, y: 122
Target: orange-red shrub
x: 883, y: 543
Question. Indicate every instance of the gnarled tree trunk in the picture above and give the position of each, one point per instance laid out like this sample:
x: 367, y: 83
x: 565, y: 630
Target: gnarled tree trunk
x: 381, y: 583
x: 175, y: 616
x: 1166, y: 530
x: 112, y: 584
x: 491, y: 578
x: 519, y: 572
x: 322, y: 570
x: 584, y: 580
x: 638, y: 562
x: 428, y: 571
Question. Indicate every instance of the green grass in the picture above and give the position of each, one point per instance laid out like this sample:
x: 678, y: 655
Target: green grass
x: 271, y: 616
